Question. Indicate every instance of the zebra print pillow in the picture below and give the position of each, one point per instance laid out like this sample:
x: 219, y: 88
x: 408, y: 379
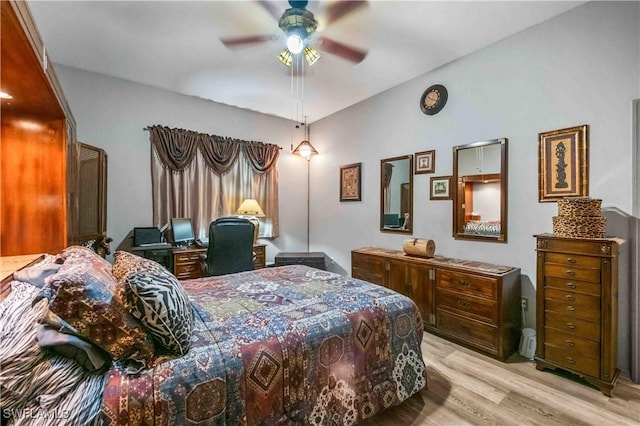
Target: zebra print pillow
x: 156, y: 297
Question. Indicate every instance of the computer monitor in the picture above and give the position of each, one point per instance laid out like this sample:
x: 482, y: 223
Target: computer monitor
x: 391, y: 219
x: 182, y: 231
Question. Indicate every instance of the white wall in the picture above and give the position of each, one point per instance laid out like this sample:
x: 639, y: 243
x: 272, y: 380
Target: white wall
x: 582, y: 67
x: 111, y: 113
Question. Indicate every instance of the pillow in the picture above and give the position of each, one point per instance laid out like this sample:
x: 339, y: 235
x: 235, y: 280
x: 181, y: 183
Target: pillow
x: 38, y: 273
x: 82, y: 295
x: 79, y: 254
x: 156, y: 297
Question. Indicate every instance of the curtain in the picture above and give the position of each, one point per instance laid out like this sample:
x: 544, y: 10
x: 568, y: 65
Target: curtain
x: 205, y: 177
x: 386, y: 182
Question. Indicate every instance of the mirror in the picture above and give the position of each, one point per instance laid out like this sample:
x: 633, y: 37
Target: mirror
x: 396, y: 194
x: 480, y: 196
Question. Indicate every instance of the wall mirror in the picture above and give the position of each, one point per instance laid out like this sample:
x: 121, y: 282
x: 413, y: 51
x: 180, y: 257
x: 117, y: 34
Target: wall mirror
x: 396, y: 194
x: 480, y: 196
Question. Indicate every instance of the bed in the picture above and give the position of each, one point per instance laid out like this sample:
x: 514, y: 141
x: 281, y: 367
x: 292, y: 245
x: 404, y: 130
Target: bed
x: 282, y: 345
x: 479, y: 227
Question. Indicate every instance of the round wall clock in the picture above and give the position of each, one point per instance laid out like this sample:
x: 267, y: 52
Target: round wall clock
x: 433, y: 99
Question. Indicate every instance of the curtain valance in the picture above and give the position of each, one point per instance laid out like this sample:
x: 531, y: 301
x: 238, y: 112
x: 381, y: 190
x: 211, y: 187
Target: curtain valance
x: 176, y: 149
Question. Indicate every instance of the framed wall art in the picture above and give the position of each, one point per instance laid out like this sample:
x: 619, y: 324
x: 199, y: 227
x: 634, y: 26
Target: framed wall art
x: 350, y: 182
x: 563, y: 163
x: 440, y: 188
x: 425, y: 162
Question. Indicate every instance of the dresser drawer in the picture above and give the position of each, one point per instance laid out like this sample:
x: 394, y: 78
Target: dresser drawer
x: 573, y: 345
x: 368, y: 268
x: 468, y: 306
x: 579, y: 300
x: 188, y: 271
x: 573, y: 260
x: 474, y: 285
x: 588, y: 311
x: 570, y: 246
x: 573, y: 285
x: 580, y: 274
x: 580, y: 327
x: 187, y: 258
x: 260, y: 260
x: 471, y: 331
x: 582, y: 364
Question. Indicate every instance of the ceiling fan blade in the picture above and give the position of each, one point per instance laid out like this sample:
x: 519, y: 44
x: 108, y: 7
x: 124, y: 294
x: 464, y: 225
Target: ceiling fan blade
x: 271, y: 7
x: 341, y: 8
x: 339, y: 49
x: 237, y: 42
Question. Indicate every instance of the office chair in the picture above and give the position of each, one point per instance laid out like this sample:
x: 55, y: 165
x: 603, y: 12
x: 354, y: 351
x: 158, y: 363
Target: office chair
x: 230, y: 246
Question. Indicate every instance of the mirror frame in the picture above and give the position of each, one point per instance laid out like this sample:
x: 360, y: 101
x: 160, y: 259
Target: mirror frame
x: 409, y: 229
x: 458, y: 194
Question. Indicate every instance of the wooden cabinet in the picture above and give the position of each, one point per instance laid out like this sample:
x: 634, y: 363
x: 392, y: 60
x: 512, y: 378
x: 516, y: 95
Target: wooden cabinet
x: 91, y: 192
x: 187, y: 263
x: 577, y: 308
x: 260, y: 260
x: 472, y: 303
x: 38, y: 136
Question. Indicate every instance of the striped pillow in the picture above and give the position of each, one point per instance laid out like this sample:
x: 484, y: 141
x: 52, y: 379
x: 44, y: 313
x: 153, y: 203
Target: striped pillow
x: 156, y: 297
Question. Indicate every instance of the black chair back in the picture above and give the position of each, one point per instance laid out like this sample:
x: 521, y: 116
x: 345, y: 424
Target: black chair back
x: 230, y: 246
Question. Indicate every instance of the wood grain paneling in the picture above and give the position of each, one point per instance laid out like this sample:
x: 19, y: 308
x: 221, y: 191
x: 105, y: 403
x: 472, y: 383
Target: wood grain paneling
x: 33, y: 148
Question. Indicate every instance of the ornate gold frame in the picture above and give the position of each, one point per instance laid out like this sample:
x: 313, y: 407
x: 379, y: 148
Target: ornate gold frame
x: 563, y: 163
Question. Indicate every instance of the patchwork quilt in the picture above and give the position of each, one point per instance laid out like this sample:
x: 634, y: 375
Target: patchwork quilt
x: 284, y: 345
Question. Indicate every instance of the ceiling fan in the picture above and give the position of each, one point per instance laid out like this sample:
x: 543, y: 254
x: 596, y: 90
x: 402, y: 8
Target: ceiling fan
x: 299, y: 26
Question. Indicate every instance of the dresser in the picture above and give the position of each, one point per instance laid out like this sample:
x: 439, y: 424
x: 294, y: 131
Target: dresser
x: 475, y: 304
x: 577, y: 307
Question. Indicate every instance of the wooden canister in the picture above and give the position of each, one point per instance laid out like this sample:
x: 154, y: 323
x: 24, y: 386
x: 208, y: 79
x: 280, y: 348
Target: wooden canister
x: 419, y: 247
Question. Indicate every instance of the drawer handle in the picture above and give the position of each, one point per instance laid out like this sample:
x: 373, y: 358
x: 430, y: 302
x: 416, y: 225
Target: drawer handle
x: 463, y: 304
x: 571, y: 360
x: 571, y: 285
x: 571, y: 308
x: 570, y: 297
x: 569, y: 343
x: 571, y: 325
x: 465, y: 283
x: 571, y: 260
x: 571, y: 273
x: 464, y: 328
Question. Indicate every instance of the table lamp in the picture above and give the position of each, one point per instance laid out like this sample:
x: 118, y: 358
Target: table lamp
x: 252, y: 209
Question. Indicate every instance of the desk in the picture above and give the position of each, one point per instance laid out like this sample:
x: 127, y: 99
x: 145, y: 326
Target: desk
x: 185, y: 263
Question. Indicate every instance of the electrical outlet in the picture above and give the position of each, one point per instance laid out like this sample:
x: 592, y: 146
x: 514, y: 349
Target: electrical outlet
x: 524, y: 303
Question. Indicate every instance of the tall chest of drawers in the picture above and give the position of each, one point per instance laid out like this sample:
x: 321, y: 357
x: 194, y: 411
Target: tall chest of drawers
x: 577, y: 307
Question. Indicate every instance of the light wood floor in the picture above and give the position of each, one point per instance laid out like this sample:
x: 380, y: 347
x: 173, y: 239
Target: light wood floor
x: 466, y: 388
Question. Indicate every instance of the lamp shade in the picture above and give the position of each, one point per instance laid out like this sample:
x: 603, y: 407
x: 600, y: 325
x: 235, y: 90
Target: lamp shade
x: 305, y: 149
x: 250, y: 207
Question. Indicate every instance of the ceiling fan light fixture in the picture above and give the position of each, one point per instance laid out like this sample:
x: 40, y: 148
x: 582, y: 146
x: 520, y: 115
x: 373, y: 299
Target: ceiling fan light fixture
x: 286, y: 57
x: 295, y: 43
x: 311, y: 55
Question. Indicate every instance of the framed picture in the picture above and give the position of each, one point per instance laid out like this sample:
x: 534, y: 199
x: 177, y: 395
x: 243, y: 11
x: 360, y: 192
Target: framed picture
x: 425, y: 162
x: 350, y: 183
x: 563, y: 163
x: 440, y: 188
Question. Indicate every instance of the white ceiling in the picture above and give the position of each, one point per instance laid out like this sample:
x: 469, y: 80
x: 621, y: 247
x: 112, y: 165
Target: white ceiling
x: 175, y: 45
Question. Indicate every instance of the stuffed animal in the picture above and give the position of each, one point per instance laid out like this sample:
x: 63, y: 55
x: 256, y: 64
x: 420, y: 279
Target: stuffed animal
x: 99, y: 245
